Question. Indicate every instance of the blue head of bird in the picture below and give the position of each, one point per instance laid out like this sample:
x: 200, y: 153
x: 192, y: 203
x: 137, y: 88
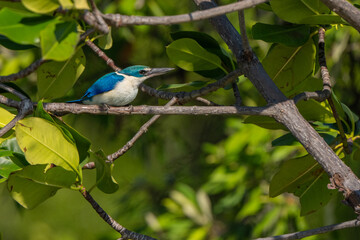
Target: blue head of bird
x: 120, y: 88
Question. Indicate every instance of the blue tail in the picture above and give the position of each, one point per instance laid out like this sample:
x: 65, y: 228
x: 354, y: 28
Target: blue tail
x: 75, y: 101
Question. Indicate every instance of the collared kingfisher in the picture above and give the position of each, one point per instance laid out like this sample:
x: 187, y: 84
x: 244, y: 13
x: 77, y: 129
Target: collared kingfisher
x: 119, y: 88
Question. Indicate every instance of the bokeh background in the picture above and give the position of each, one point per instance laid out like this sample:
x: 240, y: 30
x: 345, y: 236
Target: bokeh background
x: 188, y: 177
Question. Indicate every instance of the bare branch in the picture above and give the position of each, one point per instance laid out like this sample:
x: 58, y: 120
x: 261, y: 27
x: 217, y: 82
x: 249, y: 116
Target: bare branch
x: 23, y: 73
x: 24, y: 108
x: 95, y: 19
x: 112, y: 157
x: 316, y: 231
x: 287, y: 113
x: 345, y: 10
x: 118, y: 20
x: 187, y: 96
x: 65, y: 108
x: 101, y: 54
x: 125, y: 233
x: 238, y: 100
x: 325, y: 93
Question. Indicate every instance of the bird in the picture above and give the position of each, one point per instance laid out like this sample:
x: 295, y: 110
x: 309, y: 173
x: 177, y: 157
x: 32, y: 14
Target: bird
x: 119, y: 88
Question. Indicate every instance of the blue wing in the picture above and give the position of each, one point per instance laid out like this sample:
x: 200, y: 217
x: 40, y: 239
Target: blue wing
x: 103, y: 84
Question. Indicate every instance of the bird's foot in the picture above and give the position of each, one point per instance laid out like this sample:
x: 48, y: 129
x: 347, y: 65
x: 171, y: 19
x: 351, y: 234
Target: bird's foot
x: 104, y: 107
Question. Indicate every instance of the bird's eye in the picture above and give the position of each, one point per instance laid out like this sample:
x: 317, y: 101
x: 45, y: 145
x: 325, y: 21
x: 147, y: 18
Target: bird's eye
x: 142, y: 72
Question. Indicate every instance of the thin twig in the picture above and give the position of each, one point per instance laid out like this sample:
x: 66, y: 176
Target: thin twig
x: 125, y: 233
x: 24, y: 108
x: 316, y: 231
x: 206, y: 102
x: 242, y: 25
x: 187, y: 96
x: 101, y: 54
x: 97, y: 22
x: 118, y: 20
x: 23, y: 73
x: 238, y: 100
x: 112, y: 157
x: 325, y: 93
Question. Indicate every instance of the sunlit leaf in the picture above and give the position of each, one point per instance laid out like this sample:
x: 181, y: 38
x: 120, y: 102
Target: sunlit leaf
x: 44, y: 143
x: 58, y: 40
x: 41, y: 6
x: 23, y: 27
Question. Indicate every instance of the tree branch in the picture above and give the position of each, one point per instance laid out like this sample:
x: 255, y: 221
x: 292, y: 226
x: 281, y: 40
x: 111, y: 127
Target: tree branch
x: 65, y: 108
x: 23, y: 73
x: 125, y: 233
x: 112, y: 157
x: 316, y: 231
x: 345, y: 10
x: 287, y: 113
x: 118, y: 20
x: 325, y: 93
x: 24, y: 108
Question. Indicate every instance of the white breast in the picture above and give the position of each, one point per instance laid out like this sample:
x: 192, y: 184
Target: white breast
x: 123, y: 93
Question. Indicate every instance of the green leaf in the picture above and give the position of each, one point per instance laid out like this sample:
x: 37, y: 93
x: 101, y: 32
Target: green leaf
x: 210, y: 45
x: 17, y: 155
x: 306, y: 179
x: 41, y: 6
x: 264, y: 122
x: 81, y: 4
x: 22, y: 27
x: 44, y: 143
x: 303, y: 11
x: 68, y: 132
x: 6, y: 165
x: 323, y: 19
x: 66, y: 4
x: 82, y: 143
x: 189, y: 55
x: 58, y: 40
x: 289, y: 66
x: 104, y: 179
x: 36, y: 183
x: 55, y: 79
x: 313, y: 110
x: 5, y: 117
x: 13, y: 5
x: 6, y: 42
x: 293, y: 36
x: 293, y: 174
x: 105, y: 41
x: 289, y: 140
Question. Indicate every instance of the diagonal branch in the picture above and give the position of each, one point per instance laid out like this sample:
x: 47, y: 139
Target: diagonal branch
x: 112, y: 157
x: 25, y: 107
x: 287, y: 113
x: 345, y: 10
x: 125, y: 233
x: 316, y: 231
x: 23, y: 73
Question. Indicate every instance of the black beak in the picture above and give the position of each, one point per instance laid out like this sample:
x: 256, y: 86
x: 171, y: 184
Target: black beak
x: 158, y: 71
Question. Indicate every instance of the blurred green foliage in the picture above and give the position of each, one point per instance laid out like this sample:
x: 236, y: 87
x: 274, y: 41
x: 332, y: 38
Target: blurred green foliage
x: 188, y: 177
